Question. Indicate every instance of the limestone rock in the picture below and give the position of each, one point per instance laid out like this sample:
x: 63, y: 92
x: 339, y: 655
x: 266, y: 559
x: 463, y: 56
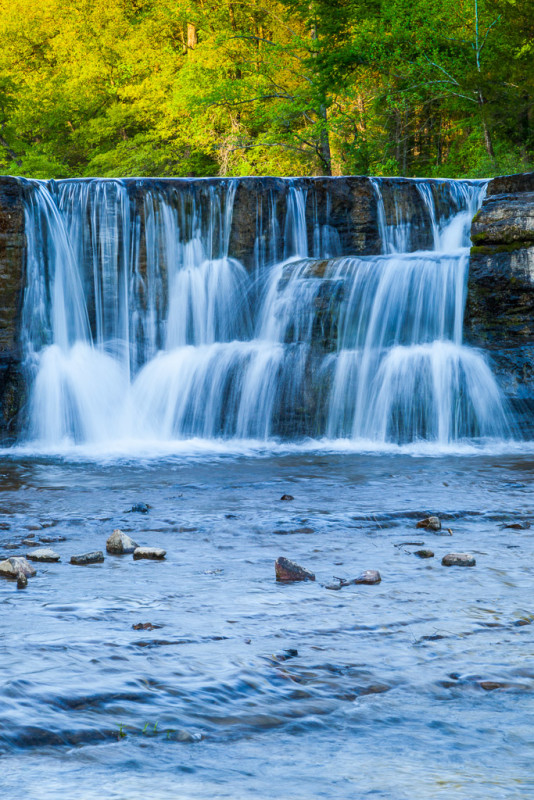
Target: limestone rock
x: 154, y: 553
x: 15, y: 567
x: 368, y: 577
x: 287, y: 571
x: 120, y: 543
x: 95, y: 557
x: 43, y: 554
x: 430, y: 523
x: 458, y: 560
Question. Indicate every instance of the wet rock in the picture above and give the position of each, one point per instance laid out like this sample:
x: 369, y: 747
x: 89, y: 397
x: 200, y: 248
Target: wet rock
x: 95, y: 557
x: 490, y: 686
x: 120, y: 543
x: 458, y: 560
x: 287, y: 497
x: 287, y: 571
x: 424, y: 553
x: 430, y: 523
x: 22, y: 581
x: 140, y: 508
x: 146, y: 626
x: 368, y: 577
x: 334, y: 587
x: 52, y: 539
x: 518, y: 526
x: 16, y: 567
x: 30, y: 542
x: 154, y: 553
x: 45, y: 554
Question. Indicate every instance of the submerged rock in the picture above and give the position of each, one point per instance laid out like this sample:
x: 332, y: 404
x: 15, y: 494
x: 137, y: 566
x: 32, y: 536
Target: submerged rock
x: 154, y: 553
x: 368, y: 577
x: 140, y: 508
x: 16, y: 567
x: 288, y: 571
x: 120, y: 543
x: 424, y: 553
x: 95, y: 557
x: 45, y: 554
x: 287, y: 497
x: 430, y: 523
x: 458, y: 560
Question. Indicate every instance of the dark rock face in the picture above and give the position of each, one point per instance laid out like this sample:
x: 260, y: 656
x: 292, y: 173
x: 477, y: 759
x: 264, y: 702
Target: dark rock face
x: 500, y: 302
x: 12, y: 255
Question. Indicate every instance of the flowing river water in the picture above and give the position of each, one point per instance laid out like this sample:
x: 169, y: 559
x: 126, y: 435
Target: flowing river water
x: 199, y: 389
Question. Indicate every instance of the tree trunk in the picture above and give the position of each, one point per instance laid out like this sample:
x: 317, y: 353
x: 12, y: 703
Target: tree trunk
x: 192, y: 38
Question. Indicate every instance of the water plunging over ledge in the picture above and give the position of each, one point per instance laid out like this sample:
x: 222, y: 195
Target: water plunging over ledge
x: 140, y: 323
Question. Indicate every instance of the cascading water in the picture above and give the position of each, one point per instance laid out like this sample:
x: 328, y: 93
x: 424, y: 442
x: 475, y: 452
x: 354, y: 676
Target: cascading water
x: 138, y: 323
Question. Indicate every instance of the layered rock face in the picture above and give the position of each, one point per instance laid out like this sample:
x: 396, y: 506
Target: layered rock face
x: 500, y: 301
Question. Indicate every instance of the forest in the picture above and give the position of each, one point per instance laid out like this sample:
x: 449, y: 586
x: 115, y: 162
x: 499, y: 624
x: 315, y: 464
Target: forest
x: 255, y: 87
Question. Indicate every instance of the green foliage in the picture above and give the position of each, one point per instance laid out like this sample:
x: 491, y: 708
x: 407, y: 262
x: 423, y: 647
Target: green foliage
x: 196, y: 88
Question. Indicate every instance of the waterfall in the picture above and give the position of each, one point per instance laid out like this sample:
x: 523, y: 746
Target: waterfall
x: 141, y: 321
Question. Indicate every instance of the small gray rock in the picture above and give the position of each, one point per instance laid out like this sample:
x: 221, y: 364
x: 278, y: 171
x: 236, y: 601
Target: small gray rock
x: 458, y: 560
x: 16, y: 566
x: 424, y: 553
x: 31, y: 542
x: 287, y: 571
x: 430, y: 523
x: 154, y: 553
x: 120, y: 543
x: 96, y: 557
x: 369, y: 577
x: 43, y: 554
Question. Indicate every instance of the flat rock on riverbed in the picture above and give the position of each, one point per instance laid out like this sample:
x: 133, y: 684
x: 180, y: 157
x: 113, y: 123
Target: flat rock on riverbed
x: 96, y: 557
x: 154, y: 553
x: 458, y: 560
x: 45, y: 554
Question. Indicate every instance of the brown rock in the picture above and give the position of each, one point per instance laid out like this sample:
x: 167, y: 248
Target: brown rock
x: 287, y: 497
x: 287, y: 571
x: 430, y: 523
x: 424, y: 553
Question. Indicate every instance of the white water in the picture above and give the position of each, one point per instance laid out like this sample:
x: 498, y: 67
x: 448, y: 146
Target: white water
x: 140, y: 328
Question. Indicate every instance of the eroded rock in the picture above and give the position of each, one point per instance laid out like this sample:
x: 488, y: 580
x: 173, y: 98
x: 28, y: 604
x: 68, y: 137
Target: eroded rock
x: 45, y: 554
x: 288, y: 571
x: 95, y: 557
x: 368, y: 577
x: 154, y: 553
x: 458, y: 560
x: 120, y: 543
x: 16, y: 567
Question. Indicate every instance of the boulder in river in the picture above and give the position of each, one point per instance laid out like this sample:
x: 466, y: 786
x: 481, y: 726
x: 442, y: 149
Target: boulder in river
x: 288, y: 572
x: 45, y: 554
x: 424, y: 553
x: 430, y: 523
x: 16, y: 567
x: 95, y: 557
x: 368, y: 577
x: 287, y: 497
x: 154, y: 553
x: 120, y: 543
x: 458, y: 560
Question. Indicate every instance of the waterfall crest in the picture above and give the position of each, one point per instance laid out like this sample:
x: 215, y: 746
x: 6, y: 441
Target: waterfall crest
x: 140, y: 322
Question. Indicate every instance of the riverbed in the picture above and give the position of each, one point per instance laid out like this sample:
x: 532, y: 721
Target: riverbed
x: 419, y: 687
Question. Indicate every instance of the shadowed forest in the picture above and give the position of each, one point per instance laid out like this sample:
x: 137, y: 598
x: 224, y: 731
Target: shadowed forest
x: 319, y: 87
